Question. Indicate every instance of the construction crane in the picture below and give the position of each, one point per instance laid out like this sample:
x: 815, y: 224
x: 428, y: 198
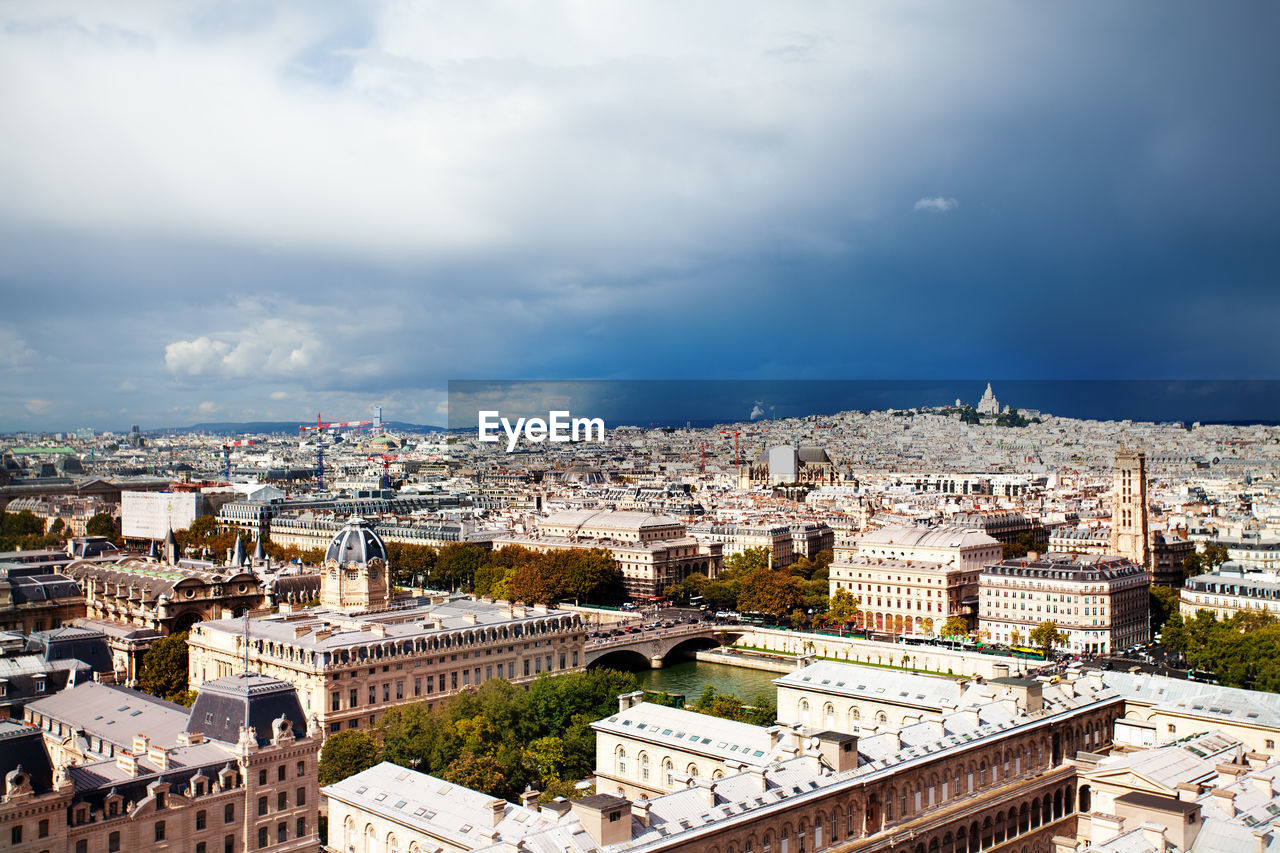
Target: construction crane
x: 319, y: 428
x: 226, y: 456
x: 384, y: 458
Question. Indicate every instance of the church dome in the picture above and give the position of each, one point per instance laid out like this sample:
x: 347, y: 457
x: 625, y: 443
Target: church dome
x: 356, y: 543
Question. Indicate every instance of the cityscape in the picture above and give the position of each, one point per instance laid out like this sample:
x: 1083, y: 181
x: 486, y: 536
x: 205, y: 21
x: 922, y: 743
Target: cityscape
x: 639, y: 428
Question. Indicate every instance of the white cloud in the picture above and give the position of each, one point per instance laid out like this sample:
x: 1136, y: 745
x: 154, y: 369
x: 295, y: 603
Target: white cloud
x: 279, y: 395
x: 208, y: 407
x: 38, y: 406
x: 196, y: 357
x: 937, y: 204
x: 14, y: 351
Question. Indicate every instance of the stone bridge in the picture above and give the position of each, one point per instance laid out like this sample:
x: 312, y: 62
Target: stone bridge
x: 652, y: 646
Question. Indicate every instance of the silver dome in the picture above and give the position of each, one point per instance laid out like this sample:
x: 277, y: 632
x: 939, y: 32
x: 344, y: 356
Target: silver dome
x: 356, y: 543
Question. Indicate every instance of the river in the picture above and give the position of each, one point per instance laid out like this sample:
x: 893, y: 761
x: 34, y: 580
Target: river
x: 690, y: 677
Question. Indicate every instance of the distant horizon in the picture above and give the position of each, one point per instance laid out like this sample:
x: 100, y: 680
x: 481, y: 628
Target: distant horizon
x: 710, y: 403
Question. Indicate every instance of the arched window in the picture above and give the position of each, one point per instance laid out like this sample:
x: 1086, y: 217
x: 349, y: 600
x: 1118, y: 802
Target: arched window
x: 855, y: 714
x: 804, y: 710
x: 393, y: 845
x: 767, y: 844
x: 644, y: 765
x: 829, y: 716
x: 621, y: 758
x: 882, y: 717
x: 668, y: 773
x: 692, y: 770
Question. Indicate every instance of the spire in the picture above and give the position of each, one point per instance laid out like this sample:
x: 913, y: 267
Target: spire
x: 152, y: 553
x: 259, y: 553
x: 171, y: 551
x: 237, y: 553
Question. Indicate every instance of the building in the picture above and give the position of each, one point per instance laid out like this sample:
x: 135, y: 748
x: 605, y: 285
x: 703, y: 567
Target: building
x: 145, y: 593
x: 240, y: 777
x: 957, y: 784
x: 1101, y: 603
x: 646, y: 750
x: 988, y: 405
x: 777, y: 539
x: 360, y: 653
x: 1230, y: 589
x: 73, y: 511
x: 151, y: 515
x: 34, y: 598
x: 1130, y: 536
x: 1004, y: 525
x: 653, y: 552
x: 910, y: 579
x: 1252, y: 551
x: 785, y: 465
x: 1206, y: 794
x: 809, y: 538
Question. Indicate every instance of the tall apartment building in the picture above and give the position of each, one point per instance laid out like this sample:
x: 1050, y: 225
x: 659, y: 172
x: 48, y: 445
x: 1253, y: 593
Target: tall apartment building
x: 910, y: 579
x: 1100, y: 602
x: 740, y: 537
x: 360, y: 652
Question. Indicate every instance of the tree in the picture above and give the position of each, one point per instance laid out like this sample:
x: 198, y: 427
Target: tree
x: 163, y: 671
x: 843, y: 607
x: 456, y: 564
x: 410, y: 561
x: 747, y: 561
x: 1020, y: 547
x: 344, y: 754
x: 1046, y: 635
x: 1164, y: 602
x: 101, y: 524
x: 770, y: 591
x: 955, y: 626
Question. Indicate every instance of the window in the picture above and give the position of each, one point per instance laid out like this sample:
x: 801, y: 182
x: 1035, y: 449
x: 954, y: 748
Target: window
x: 1271, y: 744
x: 302, y: 828
x: 229, y: 813
x: 42, y: 829
x: 82, y: 846
x: 159, y: 830
x: 229, y: 844
x: 353, y: 699
x: 373, y: 694
x: 282, y: 832
x: 262, y: 777
x: 302, y: 770
x: 302, y: 797
x: 113, y: 843
x: 15, y: 834
x: 262, y: 805
x: 200, y: 847
x: 201, y: 817
x: 280, y: 773
x: 263, y: 840
x: 282, y: 801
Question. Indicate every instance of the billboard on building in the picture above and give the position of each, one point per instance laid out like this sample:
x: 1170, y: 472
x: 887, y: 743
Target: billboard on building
x: 151, y: 515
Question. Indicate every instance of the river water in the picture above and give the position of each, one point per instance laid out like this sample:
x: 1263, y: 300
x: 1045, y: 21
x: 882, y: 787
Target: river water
x: 690, y: 677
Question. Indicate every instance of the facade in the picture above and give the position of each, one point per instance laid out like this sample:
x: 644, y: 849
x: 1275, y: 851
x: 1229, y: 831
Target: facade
x: 1257, y: 552
x: 1208, y: 794
x: 33, y: 598
x: 1101, y: 603
x: 737, y: 538
x: 910, y: 579
x: 152, y: 515
x: 74, y: 511
x: 1004, y: 525
x: 1130, y: 537
x: 811, y: 537
x: 145, y: 593
x: 240, y: 777
x: 785, y: 464
x: 652, y: 551
x: 1229, y: 590
x: 350, y: 664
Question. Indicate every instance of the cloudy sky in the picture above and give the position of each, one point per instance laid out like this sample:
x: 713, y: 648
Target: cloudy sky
x: 252, y: 210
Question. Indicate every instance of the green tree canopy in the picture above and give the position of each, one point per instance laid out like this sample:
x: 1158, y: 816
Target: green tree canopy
x: 955, y: 626
x: 101, y: 524
x: 163, y: 671
x: 747, y: 561
x: 843, y: 607
x: 344, y: 754
x: 1046, y: 636
x: 771, y: 591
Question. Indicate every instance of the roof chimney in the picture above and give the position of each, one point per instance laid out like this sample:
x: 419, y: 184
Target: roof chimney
x: 1225, y: 800
x: 497, y: 810
x: 640, y: 811
x: 606, y: 818
x: 529, y: 797
x: 1153, y: 834
x: 629, y: 700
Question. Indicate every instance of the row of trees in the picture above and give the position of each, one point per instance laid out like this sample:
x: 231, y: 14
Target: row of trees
x: 1243, y: 651
x: 25, y: 531
x: 496, y: 739
x: 749, y: 585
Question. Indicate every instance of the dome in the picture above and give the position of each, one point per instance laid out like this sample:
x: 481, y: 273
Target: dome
x: 356, y: 543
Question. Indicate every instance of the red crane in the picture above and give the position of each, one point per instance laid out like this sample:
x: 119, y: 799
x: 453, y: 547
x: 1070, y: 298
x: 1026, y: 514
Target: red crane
x: 320, y: 425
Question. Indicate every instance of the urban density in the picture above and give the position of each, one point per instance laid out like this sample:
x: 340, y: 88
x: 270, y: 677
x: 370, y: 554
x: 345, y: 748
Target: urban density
x: 955, y: 618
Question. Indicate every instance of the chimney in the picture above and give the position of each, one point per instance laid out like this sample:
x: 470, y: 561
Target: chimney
x: 497, y: 810
x: 529, y: 797
x: 1261, y: 840
x: 555, y: 809
x: 1225, y: 800
x: 707, y: 788
x: 1265, y: 785
x: 606, y: 818
x: 141, y: 743
x: 1063, y: 844
x: 1105, y: 827
x: 1189, y: 792
x: 630, y: 700
x: 128, y: 762
x: 640, y: 811
x: 838, y: 751
x: 1153, y: 834
x: 758, y: 780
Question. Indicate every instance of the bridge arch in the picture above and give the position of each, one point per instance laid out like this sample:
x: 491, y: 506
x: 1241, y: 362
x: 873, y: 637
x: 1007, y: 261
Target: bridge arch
x: 620, y: 658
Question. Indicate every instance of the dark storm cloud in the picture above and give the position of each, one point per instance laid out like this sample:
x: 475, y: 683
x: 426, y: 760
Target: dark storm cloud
x: 256, y: 211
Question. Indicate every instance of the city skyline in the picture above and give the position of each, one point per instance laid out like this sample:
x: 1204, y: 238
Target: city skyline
x: 231, y: 213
